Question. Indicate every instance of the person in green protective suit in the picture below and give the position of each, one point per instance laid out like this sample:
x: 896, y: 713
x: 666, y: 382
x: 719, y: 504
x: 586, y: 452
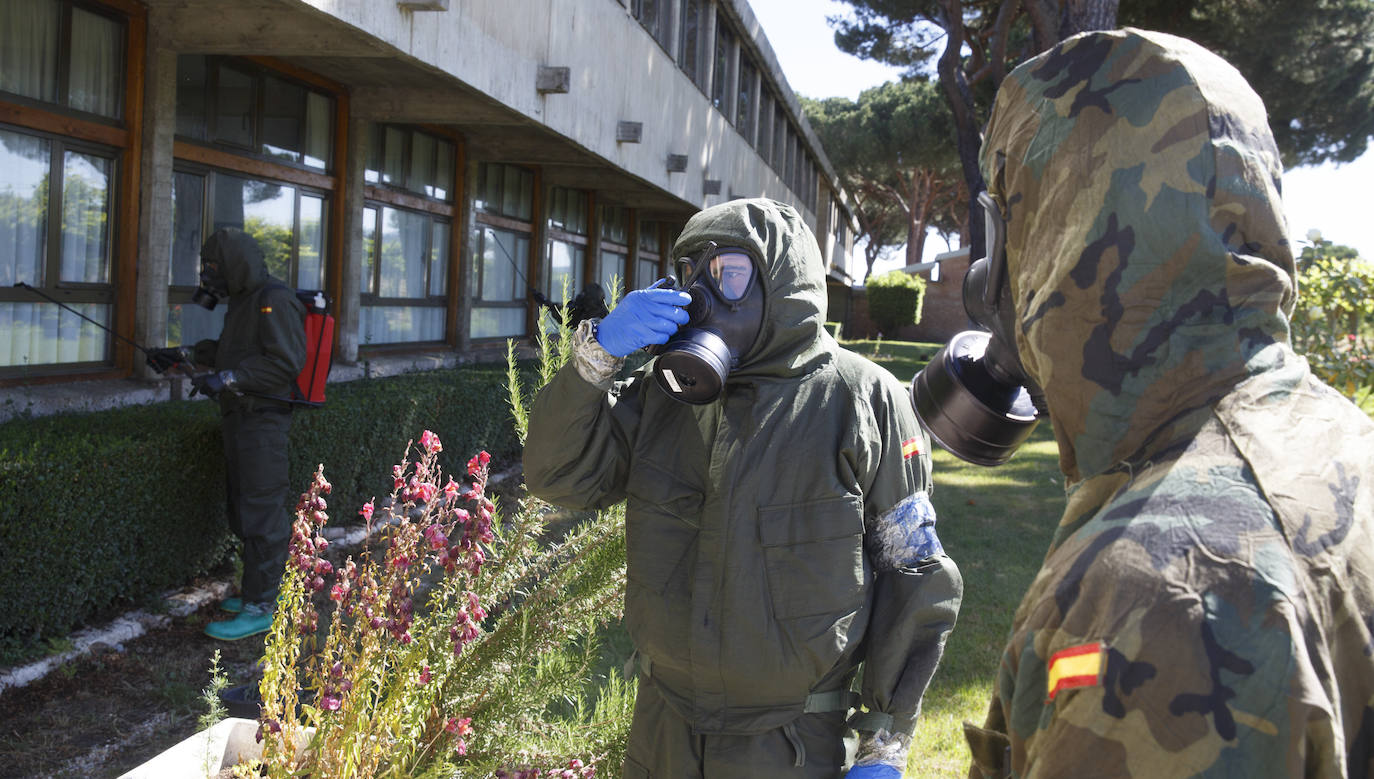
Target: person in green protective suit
x: 256, y: 359
x: 1206, y: 605
x: 780, y: 535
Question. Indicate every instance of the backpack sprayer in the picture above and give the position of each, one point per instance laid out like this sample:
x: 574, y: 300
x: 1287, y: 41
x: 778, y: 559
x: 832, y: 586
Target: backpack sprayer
x: 308, y: 388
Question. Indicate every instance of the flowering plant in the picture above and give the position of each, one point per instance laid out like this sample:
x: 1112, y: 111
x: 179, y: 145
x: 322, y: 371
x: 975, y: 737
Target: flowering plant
x: 446, y: 645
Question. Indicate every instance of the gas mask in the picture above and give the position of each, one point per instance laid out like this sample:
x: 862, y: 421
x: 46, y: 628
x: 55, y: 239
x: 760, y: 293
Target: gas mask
x: 212, y: 285
x: 724, y: 319
x: 974, y: 397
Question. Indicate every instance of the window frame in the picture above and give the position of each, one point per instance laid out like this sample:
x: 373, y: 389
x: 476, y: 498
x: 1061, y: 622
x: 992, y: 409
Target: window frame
x: 485, y: 216
x: 59, y: 105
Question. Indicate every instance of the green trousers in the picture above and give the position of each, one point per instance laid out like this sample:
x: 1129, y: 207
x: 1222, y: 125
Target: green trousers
x: 663, y: 746
x: 255, y: 465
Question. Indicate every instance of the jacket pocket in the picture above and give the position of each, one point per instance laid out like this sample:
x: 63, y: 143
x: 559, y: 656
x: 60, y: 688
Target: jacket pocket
x: 813, y: 556
x: 661, y: 526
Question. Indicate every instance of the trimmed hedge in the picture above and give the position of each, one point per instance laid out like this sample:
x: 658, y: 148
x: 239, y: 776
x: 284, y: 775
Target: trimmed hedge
x: 894, y: 300
x: 108, y: 509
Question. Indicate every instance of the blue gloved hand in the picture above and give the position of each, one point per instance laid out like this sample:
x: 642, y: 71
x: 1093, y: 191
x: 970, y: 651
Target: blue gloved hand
x: 644, y: 317
x: 878, y: 771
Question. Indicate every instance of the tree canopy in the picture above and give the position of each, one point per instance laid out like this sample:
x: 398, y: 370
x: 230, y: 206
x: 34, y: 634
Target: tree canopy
x: 894, y: 151
x: 1310, y: 60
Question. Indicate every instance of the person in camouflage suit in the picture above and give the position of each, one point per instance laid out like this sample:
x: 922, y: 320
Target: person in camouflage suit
x: 1206, y: 604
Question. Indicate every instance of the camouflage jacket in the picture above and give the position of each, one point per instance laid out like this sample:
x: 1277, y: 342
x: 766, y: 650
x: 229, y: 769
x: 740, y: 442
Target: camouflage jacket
x: 1205, y: 608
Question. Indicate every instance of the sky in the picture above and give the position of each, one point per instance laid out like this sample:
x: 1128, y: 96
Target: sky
x: 1322, y: 197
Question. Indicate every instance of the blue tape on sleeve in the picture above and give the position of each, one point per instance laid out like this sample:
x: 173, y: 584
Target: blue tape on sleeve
x: 905, y: 534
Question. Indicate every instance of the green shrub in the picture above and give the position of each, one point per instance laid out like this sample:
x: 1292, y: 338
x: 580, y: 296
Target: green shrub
x: 105, y: 510
x: 894, y: 300
x: 1333, y: 321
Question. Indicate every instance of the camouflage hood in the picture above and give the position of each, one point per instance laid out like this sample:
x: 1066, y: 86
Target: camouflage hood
x: 1134, y: 167
x: 792, y: 341
x: 239, y: 257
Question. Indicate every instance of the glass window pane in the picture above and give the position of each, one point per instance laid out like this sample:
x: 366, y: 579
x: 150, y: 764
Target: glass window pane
x: 393, y: 156
x: 44, y: 334
x: 317, y: 130
x: 262, y: 209
x: 97, y: 65
x: 564, y: 270
x: 234, y: 108
x: 689, y: 53
x: 369, y: 281
x: 613, y: 224
x: 421, y: 177
x: 443, y: 173
x: 85, y: 218
x: 24, y: 169
x: 402, y: 254
x: 283, y: 119
x: 188, y: 211
x: 438, y: 259
x: 648, y: 236
x: 511, y: 192
x: 310, y: 249
x: 191, y: 92
x: 190, y: 322
x: 28, y: 48
x: 611, y: 273
x: 648, y: 273
x: 400, y: 324
x: 372, y: 168
x: 497, y: 322
x: 720, y: 67
x: 500, y: 260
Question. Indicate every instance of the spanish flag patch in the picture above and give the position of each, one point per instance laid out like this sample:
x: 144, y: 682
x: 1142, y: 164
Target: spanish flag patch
x: 1077, y: 666
x: 910, y: 448
x: 265, y: 310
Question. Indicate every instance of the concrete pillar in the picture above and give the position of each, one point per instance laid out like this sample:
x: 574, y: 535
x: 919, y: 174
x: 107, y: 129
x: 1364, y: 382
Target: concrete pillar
x: 349, y: 305
x: 155, y: 197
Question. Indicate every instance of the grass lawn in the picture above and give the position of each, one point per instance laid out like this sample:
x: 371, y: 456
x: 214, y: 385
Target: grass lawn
x: 996, y: 523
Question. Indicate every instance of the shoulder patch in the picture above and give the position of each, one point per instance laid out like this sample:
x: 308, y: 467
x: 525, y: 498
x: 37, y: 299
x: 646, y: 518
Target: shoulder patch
x: 911, y: 447
x: 1076, y: 666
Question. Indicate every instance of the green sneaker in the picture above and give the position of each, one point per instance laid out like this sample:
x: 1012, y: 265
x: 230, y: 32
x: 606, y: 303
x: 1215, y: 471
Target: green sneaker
x: 253, y: 620
x: 231, y: 605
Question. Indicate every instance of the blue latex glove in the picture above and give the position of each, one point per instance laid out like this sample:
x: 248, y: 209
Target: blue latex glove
x: 644, y: 317
x: 879, y: 771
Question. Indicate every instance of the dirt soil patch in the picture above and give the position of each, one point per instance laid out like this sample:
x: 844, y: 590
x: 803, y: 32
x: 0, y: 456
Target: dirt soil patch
x: 104, y: 713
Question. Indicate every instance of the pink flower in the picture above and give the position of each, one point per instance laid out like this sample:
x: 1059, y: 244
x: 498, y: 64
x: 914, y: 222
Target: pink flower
x: 425, y: 675
x: 460, y: 727
x: 331, y: 702
x: 430, y: 442
x: 366, y: 511
x: 461, y: 747
x: 450, y: 489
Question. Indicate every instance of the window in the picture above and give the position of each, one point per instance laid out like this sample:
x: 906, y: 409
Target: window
x: 497, y: 282
x: 289, y: 222
x: 650, y: 261
x: 692, y: 49
x: 615, y: 250
x: 566, y: 250
x: 655, y: 16
x: 405, y: 276
x: 779, y: 137
x: 746, y: 101
x: 244, y: 107
x: 56, y: 232
x: 410, y: 160
x: 721, y: 90
x: 765, y: 130
x: 52, y: 51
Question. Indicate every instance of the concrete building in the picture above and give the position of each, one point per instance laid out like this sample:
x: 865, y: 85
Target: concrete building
x: 425, y: 162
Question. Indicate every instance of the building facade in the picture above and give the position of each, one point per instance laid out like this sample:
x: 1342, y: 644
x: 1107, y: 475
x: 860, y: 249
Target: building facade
x: 427, y: 163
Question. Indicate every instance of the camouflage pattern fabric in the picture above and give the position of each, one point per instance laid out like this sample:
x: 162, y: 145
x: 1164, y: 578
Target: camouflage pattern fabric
x: 1205, y: 608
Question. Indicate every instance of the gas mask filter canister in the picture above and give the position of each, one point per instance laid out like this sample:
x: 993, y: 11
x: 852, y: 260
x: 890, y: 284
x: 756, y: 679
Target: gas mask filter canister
x: 974, y: 397
x: 212, y: 286
x: 724, y: 319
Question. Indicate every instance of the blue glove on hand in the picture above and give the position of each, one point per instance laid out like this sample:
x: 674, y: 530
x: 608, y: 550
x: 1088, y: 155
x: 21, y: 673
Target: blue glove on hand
x: 644, y: 317
x: 878, y: 771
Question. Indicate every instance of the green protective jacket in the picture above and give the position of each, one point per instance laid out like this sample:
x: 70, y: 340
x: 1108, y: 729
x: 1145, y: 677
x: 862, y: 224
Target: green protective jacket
x: 767, y: 531
x: 263, y: 340
x: 1205, y: 608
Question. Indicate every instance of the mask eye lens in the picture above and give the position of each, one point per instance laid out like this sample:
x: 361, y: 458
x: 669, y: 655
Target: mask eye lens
x: 732, y: 272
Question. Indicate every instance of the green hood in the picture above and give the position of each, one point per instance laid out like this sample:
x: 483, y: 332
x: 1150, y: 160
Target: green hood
x: 792, y: 340
x: 240, y: 260
x: 1132, y: 168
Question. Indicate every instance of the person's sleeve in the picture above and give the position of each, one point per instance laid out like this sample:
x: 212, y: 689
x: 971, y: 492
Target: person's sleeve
x: 918, y: 588
x: 204, y: 352
x: 281, y: 344
x: 577, y: 449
